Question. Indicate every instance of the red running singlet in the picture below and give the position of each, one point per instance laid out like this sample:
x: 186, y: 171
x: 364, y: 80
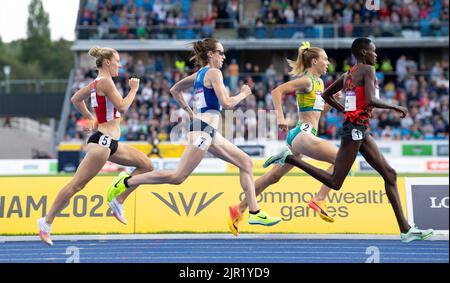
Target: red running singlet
x: 104, y: 109
x: 356, y: 109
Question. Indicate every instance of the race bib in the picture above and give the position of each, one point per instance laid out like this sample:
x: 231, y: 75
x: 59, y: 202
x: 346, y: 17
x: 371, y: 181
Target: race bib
x: 105, y: 141
x: 357, y: 135
x: 377, y: 92
x: 200, y: 101
x: 201, y: 143
x: 319, y: 103
x: 350, y: 101
x: 307, y: 128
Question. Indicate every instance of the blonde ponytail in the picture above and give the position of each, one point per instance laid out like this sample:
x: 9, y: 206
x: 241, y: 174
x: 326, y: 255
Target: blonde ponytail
x: 304, y: 59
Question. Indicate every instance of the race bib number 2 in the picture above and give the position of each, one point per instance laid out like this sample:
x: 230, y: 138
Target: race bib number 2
x: 319, y: 103
x: 305, y: 127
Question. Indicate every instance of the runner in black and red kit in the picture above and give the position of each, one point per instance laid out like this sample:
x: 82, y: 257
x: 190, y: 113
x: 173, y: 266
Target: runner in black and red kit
x: 361, y: 96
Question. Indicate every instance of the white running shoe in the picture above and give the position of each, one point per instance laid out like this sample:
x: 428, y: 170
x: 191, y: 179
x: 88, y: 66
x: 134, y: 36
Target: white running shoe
x: 415, y: 233
x: 279, y: 158
x: 44, y: 231
x: 118, y: 211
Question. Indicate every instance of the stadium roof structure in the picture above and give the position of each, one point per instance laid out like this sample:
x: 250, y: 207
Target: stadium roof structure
x: 259, y: 44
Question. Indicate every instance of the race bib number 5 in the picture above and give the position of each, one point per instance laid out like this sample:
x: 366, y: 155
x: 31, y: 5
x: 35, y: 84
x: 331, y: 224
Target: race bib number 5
x: 105, y: 141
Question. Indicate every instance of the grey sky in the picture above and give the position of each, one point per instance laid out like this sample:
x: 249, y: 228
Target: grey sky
x: 14, y: 15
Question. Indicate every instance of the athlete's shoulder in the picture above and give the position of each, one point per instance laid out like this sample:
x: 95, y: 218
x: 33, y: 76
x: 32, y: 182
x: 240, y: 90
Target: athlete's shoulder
x: 213, y: 73
x: 366, y: 68
x: 212, y: 70
x: 104, y: 80
x: 303, y: 83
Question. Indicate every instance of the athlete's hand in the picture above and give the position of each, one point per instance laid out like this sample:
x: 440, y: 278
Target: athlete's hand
x: 402, y: 110
x: 338, y: 95
x: 282, y: 124
x: 246, y: 90
x: 134, y: 84
x: 91, y: 125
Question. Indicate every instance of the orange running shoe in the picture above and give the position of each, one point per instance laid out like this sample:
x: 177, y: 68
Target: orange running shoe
x: 321, y: 208
x: 235, y: 218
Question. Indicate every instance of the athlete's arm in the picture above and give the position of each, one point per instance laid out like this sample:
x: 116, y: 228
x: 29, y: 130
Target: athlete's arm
x: 107, y: 87
x: 177, y: 89
x: 334, y: 88
x: 228, y: 102
x: 78, y: 100
x: 337, y: 96
x: 369, y: 76
x: 303, y: 83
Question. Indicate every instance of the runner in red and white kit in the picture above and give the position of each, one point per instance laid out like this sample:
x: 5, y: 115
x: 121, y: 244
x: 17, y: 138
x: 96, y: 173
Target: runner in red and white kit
x: 361, y: 96
x: 103, y: 144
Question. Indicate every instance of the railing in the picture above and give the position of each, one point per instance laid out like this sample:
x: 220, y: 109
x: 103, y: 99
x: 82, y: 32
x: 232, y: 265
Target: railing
x: 33, y: 86
x: 65, y: 112
x: 235, y: 30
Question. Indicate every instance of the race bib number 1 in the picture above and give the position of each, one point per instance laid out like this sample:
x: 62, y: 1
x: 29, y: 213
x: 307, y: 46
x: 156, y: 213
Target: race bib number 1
x: 350, y: 101
x: 357, y: 135
x: 377, y: 92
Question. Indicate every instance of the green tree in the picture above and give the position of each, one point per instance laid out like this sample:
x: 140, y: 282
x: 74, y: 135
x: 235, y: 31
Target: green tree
x: 50, y: 59
x: 61, y: 59
x: 36, y: 48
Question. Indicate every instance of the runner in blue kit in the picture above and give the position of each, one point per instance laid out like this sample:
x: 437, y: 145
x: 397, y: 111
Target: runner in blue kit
x: 210, y: 94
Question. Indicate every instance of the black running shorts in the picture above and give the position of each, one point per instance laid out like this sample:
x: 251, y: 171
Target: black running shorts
x: 105, y: 141
x: 350, y: 131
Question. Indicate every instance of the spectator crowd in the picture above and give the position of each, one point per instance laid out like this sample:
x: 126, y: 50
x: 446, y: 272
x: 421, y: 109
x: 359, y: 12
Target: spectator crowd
x: 154, y: 112
x: 154, y: 19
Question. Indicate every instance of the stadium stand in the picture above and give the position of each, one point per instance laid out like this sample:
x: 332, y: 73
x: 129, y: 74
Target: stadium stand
x: 425, y: 96
x: 173, y: 19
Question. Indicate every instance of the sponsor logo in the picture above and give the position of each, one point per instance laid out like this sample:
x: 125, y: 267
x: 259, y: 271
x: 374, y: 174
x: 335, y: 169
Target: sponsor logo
x: 430, y: 206
x: 436, y: 202
x: 187, y: 203
x: 437, y: 165
x: 29, y: 207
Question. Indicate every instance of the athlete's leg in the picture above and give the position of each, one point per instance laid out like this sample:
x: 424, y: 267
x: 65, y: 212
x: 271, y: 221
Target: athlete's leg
x: 373, y: 156
x: 190, y: 159
x: 92, y: 163
x: 229, y: 152
x: 129, y: 156
x: 266, y: 180
x: 345, y: 157
x: 318, y: 149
